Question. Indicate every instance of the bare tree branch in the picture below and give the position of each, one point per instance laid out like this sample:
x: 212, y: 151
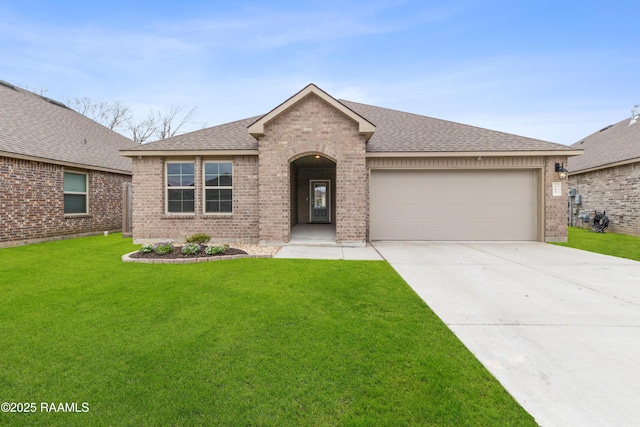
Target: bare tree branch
x: 84, y: 106
x: 116, y: 116
x: 141, y: 131
x: 166, y: 121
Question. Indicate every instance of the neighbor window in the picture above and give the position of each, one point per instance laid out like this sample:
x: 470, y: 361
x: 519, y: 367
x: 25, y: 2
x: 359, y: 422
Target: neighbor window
x: 180, y: 187
x: 75, y: 193
x: 218, y: 187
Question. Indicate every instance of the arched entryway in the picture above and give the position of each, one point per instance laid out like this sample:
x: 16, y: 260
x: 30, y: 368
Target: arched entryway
x: 313, y: 199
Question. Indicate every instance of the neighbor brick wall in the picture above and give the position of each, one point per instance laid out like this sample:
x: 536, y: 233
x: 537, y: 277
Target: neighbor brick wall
x: 32, y: 202
x: 309, y: 127
x: 615, y: 190
x: 150, y: 223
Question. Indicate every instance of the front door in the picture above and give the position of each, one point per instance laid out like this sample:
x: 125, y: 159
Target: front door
x: 320, y: 201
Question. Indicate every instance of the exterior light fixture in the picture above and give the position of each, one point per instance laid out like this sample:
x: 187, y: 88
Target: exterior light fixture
x: 317, y: 156
x: 562, y: 172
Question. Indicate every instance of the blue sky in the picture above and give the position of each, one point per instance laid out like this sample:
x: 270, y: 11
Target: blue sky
x: 553, y: 70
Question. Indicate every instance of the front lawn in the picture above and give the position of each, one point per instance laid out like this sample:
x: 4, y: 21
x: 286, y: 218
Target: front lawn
x: 232, y: 343
x: 619, y: 245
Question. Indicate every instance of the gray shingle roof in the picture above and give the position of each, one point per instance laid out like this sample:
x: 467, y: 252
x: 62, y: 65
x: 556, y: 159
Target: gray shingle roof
x: 396, y: 131
x: 36, y: 127
x: 614, y: 144
x: 229, y: 136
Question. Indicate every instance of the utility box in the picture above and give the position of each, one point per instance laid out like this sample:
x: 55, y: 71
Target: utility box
x: 572, y: 192
x: 578, y: 200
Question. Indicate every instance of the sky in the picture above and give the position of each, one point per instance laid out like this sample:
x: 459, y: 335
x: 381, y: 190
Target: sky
x: 552, y: 70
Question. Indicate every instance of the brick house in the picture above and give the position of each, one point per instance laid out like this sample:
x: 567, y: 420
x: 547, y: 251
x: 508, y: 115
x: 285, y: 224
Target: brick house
x: 61, y: 174
x: 606, y: 177
x: 370, y: 172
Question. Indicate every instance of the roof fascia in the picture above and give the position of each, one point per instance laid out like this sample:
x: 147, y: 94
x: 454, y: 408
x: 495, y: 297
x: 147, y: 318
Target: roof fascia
x: 63, y: 163
x: 475, y: 153
x: 155, y: 153
x: 607, y: 166
x: 365, y: 127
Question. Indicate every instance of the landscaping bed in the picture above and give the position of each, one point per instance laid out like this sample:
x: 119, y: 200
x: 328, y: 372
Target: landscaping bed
x: 176, y: 253
x: 196, y: 248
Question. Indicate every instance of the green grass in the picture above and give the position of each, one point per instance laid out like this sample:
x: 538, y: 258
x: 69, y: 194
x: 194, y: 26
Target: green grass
x: 251, y: 342
x: 619, y: 245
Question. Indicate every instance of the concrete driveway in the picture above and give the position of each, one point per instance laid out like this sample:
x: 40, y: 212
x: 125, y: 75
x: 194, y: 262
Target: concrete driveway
x: 558, y: 327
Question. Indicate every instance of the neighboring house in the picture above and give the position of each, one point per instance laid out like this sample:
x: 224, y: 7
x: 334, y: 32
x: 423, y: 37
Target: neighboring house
x: 374, y: 173
x: 606, y: 177
x: 61, y: 173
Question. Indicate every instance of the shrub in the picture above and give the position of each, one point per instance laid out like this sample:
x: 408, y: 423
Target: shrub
x: 163, y: 248
x: 215, y: 250
x: 191, y: 249
x: 146, y: 249
x: 199, y: 238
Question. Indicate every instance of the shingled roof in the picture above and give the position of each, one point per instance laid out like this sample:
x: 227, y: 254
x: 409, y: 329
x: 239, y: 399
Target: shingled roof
x: 232, y: 136
x: 398, y: 131
x: 38, y: 128
x: 395, y: 132
x: 616, y: 144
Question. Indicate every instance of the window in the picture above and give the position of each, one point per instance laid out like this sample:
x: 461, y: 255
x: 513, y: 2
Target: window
x: 218, y: 187
x: 180, y: 187
x: 75, y: 193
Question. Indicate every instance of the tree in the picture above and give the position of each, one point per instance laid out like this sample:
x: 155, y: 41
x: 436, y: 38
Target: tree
x: 114, y: 116
x: 141, y: 131
x: 118, y: 117
x: 166, y: 127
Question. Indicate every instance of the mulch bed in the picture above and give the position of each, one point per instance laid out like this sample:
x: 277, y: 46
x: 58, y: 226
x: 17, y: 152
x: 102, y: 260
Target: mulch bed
x: 176, y: 254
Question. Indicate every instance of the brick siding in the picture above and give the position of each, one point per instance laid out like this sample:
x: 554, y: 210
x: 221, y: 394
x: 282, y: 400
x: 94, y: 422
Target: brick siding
x: 310, y: 127
x: 555, y: 209
x: 271, y: 191
x: 32, y: 202
x: 151, y: 223
x: 615, y: 190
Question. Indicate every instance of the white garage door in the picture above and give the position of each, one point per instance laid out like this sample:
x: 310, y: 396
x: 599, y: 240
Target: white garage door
x: 453, y: 205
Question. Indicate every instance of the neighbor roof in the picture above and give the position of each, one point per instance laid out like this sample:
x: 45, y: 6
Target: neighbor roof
x: 37, y: 128
x: 393, y: 132
x: 616, y: 144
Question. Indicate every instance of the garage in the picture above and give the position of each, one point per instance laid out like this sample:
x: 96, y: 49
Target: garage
x: 480, y: 205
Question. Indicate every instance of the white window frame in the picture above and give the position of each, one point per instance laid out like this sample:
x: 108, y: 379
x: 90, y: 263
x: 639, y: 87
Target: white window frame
x: 167, y: 187
x: 206, y: 187
x: 83, y: 193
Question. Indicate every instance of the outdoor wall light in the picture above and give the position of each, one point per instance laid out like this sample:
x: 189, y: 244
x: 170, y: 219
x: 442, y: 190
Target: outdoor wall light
x: 562, y: 172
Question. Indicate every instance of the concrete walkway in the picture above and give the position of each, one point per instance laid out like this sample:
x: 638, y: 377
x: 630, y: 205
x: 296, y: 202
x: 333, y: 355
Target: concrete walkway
x: 558, y: 327
x: 318, y: 241
x: 367, y: 253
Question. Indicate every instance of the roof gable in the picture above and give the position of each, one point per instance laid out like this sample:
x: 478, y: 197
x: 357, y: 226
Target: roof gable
x: 365, y: 127
x: 37, y: 128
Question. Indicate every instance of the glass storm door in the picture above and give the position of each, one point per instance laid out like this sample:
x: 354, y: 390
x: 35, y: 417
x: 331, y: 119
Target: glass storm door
x: 320, y: 201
